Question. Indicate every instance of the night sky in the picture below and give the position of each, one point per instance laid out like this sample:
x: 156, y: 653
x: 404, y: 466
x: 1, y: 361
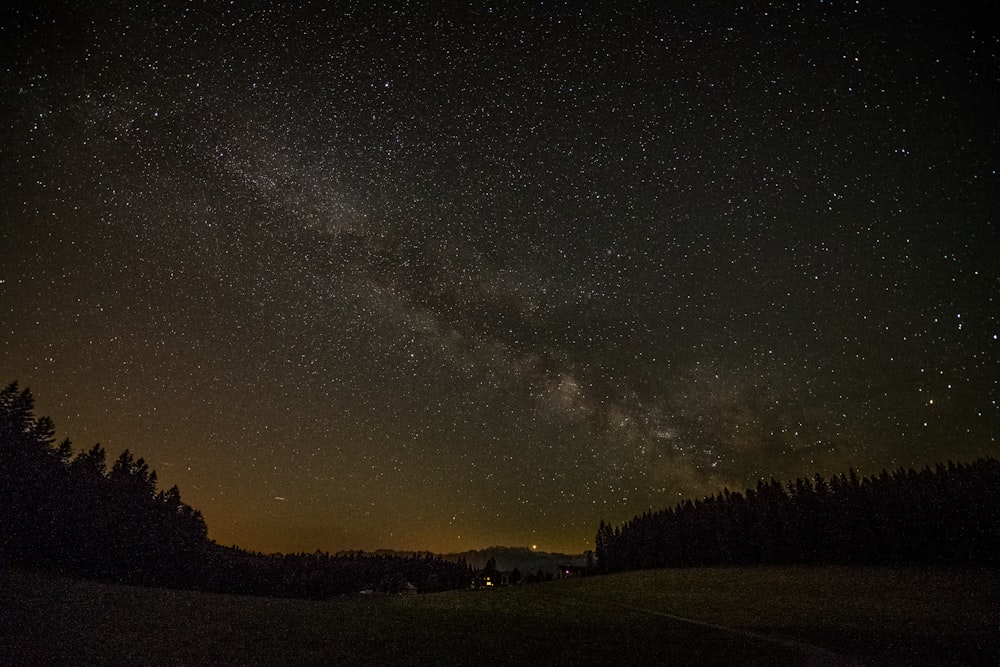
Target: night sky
x: 360, y: 277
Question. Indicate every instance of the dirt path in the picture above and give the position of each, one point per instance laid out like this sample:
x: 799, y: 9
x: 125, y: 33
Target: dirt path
x: 818, y: 656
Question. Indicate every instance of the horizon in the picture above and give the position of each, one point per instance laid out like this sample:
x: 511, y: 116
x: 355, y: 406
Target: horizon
x: 535, y: 548
x: 387, y: 277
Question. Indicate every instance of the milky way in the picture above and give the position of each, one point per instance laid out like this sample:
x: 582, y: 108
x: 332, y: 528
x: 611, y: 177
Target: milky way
x: 356, y: 276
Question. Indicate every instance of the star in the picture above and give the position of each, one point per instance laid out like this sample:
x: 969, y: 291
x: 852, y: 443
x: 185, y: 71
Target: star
x: 498, y: 274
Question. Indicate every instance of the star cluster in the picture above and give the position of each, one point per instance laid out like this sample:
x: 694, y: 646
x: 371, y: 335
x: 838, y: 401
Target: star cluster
x: 357, y: 275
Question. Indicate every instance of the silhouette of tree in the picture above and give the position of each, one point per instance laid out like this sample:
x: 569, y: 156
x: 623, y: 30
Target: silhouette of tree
x: 30, y: 476
x: 945, y: 515
x: 71, y: 514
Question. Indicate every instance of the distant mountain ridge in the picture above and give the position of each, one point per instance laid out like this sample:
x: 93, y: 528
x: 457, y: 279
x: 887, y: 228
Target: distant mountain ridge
x: 526, y: 560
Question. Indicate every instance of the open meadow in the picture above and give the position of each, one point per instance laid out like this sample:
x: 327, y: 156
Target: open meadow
x: 763, y: 616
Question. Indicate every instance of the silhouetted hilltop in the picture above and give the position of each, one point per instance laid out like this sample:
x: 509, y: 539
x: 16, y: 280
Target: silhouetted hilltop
x: 506, y: 559
x: 524, y: 559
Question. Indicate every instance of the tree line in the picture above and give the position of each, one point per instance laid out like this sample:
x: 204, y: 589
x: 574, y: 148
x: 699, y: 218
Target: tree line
x: 68, y: 512
x: 320, y: 575
x: 945, y: 515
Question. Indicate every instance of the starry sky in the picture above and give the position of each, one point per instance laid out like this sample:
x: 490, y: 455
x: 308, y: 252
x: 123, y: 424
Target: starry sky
x: 446, y: 275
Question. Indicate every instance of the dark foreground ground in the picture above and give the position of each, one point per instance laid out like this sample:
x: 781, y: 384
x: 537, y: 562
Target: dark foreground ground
x: 760, y: 616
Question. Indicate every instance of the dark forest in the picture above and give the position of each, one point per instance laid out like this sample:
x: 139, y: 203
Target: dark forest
x: 945, y: 515
x: 67, y: 513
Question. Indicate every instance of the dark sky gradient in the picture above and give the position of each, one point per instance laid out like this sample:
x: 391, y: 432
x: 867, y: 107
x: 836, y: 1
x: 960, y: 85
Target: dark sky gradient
x: 415, y: 278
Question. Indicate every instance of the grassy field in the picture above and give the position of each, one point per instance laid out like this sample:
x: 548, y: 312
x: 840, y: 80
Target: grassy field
x: 862, y: 615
